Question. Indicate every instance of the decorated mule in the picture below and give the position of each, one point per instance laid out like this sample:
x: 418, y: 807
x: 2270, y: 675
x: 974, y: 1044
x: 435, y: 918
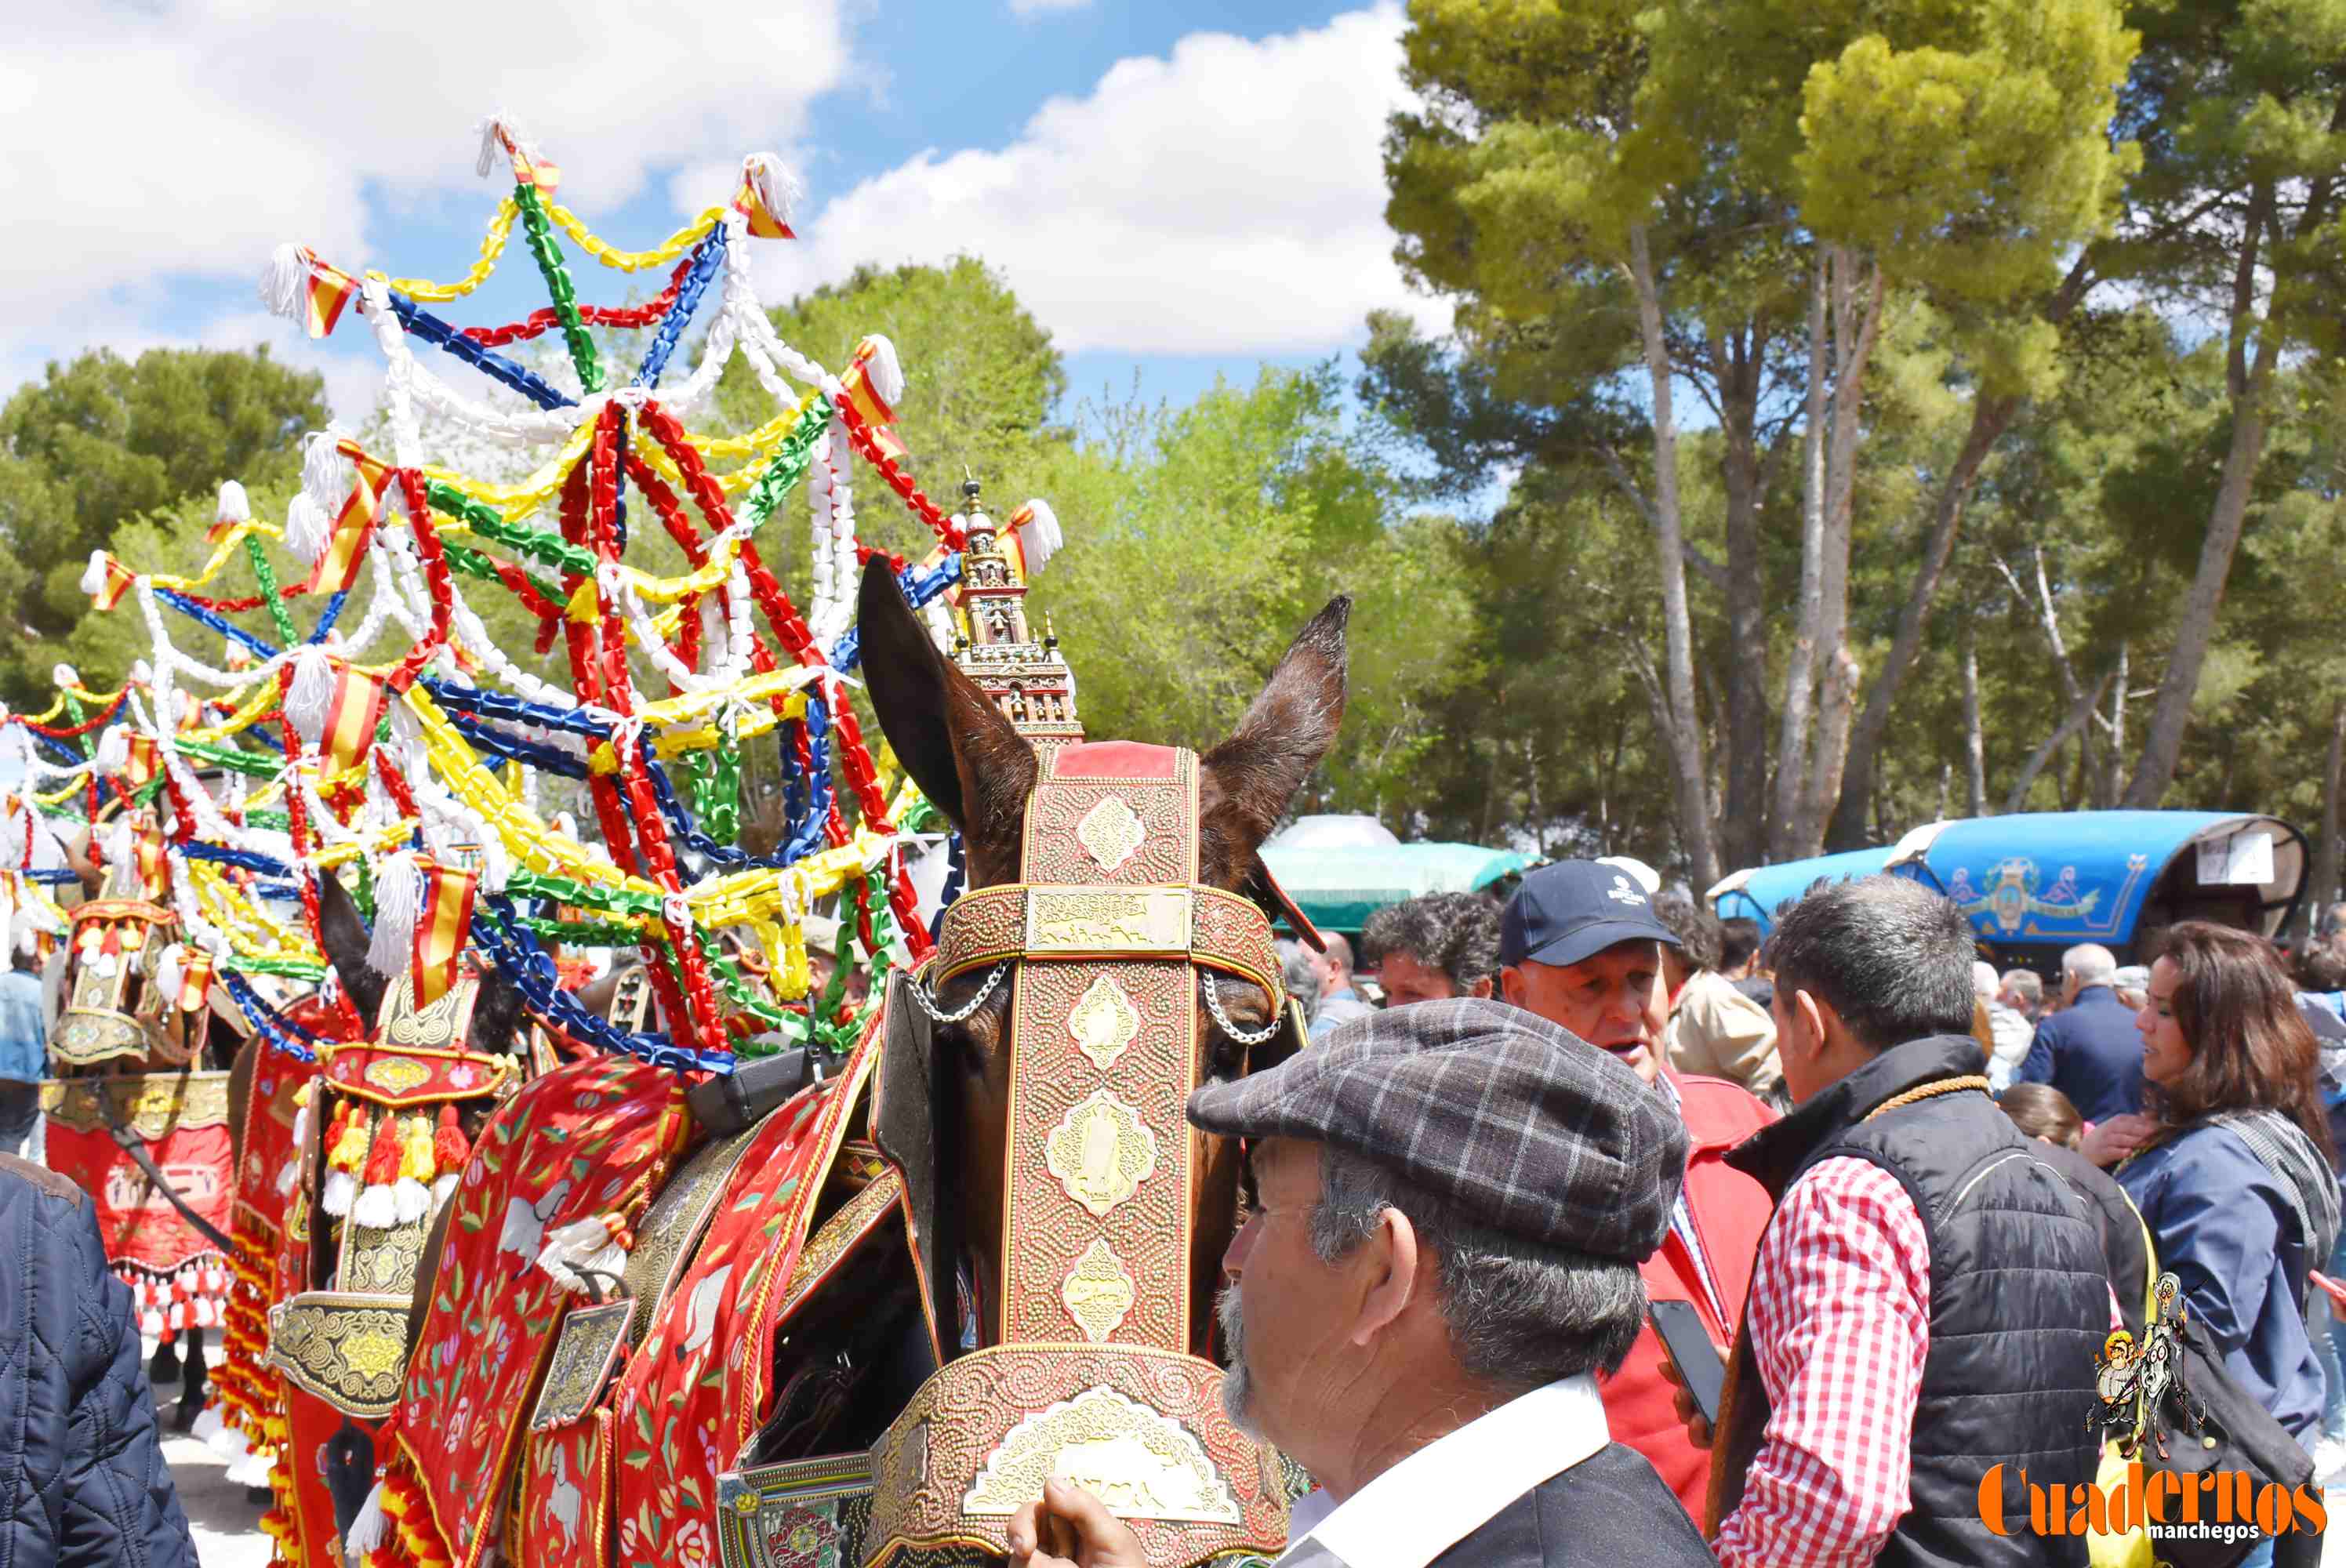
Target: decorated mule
x: 861, y: 1320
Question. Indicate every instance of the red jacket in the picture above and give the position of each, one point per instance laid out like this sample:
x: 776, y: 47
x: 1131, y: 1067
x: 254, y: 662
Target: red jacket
x: 1729, y: 1210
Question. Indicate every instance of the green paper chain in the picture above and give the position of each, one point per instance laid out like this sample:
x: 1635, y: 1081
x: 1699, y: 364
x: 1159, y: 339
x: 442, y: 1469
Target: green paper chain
x: 265, y: 576
x: 540, y: 235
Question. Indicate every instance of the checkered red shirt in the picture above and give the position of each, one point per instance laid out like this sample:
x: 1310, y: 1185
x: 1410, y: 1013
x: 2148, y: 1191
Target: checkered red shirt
x: 1840, y: 1320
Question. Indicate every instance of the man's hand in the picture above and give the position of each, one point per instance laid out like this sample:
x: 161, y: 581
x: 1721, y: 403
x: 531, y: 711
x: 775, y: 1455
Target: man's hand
x: 1697, y: 1430
x: 1071, y: 1529
x: 2115, y: 1139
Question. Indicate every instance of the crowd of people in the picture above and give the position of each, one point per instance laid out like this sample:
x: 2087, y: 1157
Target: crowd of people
x: 1910, y: 1199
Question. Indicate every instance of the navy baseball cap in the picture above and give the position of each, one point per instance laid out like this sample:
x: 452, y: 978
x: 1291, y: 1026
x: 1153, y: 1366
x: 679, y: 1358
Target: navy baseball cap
x: 1574, y: 910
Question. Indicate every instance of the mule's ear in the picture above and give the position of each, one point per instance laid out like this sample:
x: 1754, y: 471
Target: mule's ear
x: 496, y: 1014
x: 968, y: 759
x: 1286, y: 732
x: 346, y: 937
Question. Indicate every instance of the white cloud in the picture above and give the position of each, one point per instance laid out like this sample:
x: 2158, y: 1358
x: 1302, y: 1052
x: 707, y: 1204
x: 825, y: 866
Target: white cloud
x: 1037, y: 8
x: 192, y: 136
x: 1227, y: 199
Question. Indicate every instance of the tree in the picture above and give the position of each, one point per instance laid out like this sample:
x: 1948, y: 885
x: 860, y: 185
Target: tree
x: 1664, y: 193
x: 102, y: 440
x: 2240, y: 109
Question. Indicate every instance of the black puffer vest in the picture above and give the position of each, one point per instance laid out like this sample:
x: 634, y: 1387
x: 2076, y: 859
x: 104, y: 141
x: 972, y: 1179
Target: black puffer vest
x: 2019, y: 1301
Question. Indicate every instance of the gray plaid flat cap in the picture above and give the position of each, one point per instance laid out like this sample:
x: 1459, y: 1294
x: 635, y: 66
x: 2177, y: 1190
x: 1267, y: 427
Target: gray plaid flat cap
x: 1519, y: 1123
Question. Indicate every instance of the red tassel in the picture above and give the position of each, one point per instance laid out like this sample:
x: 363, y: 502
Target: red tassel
x: 449, y: 1149
x: 335, y: 1128
x: 383, y: 1160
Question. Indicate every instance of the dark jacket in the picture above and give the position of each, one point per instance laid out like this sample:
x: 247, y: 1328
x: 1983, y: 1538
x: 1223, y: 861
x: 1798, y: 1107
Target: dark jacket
x: 1608, y: 1510
x: 2091, y: 1052
x: 82, y: 1478
x: 2125, y: 1234
x: 2019, y: 1296
x: 2225, y: 1230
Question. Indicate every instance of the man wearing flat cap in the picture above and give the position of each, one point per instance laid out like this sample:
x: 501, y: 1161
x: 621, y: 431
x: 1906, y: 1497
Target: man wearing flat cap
x: 1455, y: 1199
x: 1580, y: 945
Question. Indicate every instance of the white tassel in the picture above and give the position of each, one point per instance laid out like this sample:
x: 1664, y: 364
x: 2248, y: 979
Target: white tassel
x: 583, y: 1244
x: 307, y: 529
x: 340, y: 1188
x: 141, y: 673
x: 231, y: 1444
x: 375, y: 1208
x: 252, y: 1470
x: 113, y: 749
x: 445, y: 1186
x: 66, y: 674
x: 494, y: 132
x: 235, y: 507
x: 93, y: 577
x: 884, y: 369
x: 325, y: 474
x: 410, y: 1199
x: 311, y: 693
x: 208, y: 1426
x: 398, y: 894
x: 1039, y: 534
x: 368, y: 1529
x: 281, y: 283
x: 776, y: 188
x: 168, y: 974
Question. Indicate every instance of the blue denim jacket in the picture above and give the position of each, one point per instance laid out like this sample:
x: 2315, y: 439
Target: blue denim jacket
x: 2225, y: 1229
x: 23, y: 1042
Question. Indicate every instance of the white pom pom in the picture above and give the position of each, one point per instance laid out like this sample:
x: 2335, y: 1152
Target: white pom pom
x: 410, y: 1199
x: 1039, y: 534
x: 368, y: 1529
x: 169, y: 972
x: 398, y: 893
x: 375, y: 1208
x: 208, y: 1425
x: 252, y: 1470
x: 307, y: 529
x: 325, y: 472
x: 444, y: 1188
x: 281, y: 283
x: 341, y: 1188
x: 886, y: 370
x: 66, y: 674
x: 142, y: 673
x: 311, y: 693
x: 114, y: 751
x: 93, y: 577
x: 496, y: 132
x: 235, y: 507
x: 776, y: 188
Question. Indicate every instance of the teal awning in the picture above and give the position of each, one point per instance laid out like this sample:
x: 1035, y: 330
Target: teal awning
x: 1340, y: 888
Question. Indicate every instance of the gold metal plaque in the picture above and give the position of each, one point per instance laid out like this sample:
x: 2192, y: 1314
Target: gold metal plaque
x: 583, y: 1358
x: 1111, y: 832
x: 1061, y: 920
x: 1098, y: 1291
x: 1105, y: 1021
x: 1141, y: 1464
x: 349, y: 1350
x: 1101, y: 1151
x: 397, y: 1074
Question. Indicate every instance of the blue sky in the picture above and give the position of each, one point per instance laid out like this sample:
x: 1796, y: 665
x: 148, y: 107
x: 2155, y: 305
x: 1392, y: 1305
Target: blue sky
x: 1174, y: 189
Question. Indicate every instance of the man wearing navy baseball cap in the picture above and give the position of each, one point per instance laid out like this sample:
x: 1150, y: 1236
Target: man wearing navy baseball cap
x: 1579, y: 945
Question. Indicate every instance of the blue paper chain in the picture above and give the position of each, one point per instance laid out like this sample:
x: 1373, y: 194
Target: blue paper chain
x: 919, y: 587
x: 274, y: 1026
x: 706, y: 257
x: 422, y: 324
x: 217, y: 623
x: 516, y: 953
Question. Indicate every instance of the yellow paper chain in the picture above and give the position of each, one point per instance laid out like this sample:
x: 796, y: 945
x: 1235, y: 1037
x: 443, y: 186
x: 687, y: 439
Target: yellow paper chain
x: 668, y: 250
x: 493, y: 245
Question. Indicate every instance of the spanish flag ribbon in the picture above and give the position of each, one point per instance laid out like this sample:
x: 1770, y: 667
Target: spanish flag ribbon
x: 441, y: 929
x: 194, y: 978
x: 346, y: 546
x: 857, y: 381
x: 105, y: 580
x: 352, y: 713
x: 147, y: 844
x: 141, y: 767
x: 324, y: 293
x: 764, y: 223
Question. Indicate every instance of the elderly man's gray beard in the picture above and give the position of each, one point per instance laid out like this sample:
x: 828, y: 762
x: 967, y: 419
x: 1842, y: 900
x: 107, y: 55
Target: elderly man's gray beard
x: 1238, y: 1383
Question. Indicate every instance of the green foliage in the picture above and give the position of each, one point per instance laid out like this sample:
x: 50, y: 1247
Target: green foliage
x: 103, y: 442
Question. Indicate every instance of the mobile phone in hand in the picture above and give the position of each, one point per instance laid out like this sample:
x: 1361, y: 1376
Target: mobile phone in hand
x: 1687, y: 1345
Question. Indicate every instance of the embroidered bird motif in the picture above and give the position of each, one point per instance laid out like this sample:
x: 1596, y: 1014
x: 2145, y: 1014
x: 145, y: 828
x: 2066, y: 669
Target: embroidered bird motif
x: 566, y: 1497
x: 700, y: 1313
x: 525, y: 1228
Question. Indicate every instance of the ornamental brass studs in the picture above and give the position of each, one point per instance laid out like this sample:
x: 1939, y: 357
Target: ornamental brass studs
x: 1141, y: 1464
x: 1110, y: 832
x: 1101, y: 1151
x: 1104, y: 1022
x: 1098, y: 1291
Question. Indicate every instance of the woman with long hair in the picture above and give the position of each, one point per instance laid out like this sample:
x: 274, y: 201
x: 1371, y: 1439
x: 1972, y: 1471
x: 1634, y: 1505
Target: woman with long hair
x: 2234, y: 1173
